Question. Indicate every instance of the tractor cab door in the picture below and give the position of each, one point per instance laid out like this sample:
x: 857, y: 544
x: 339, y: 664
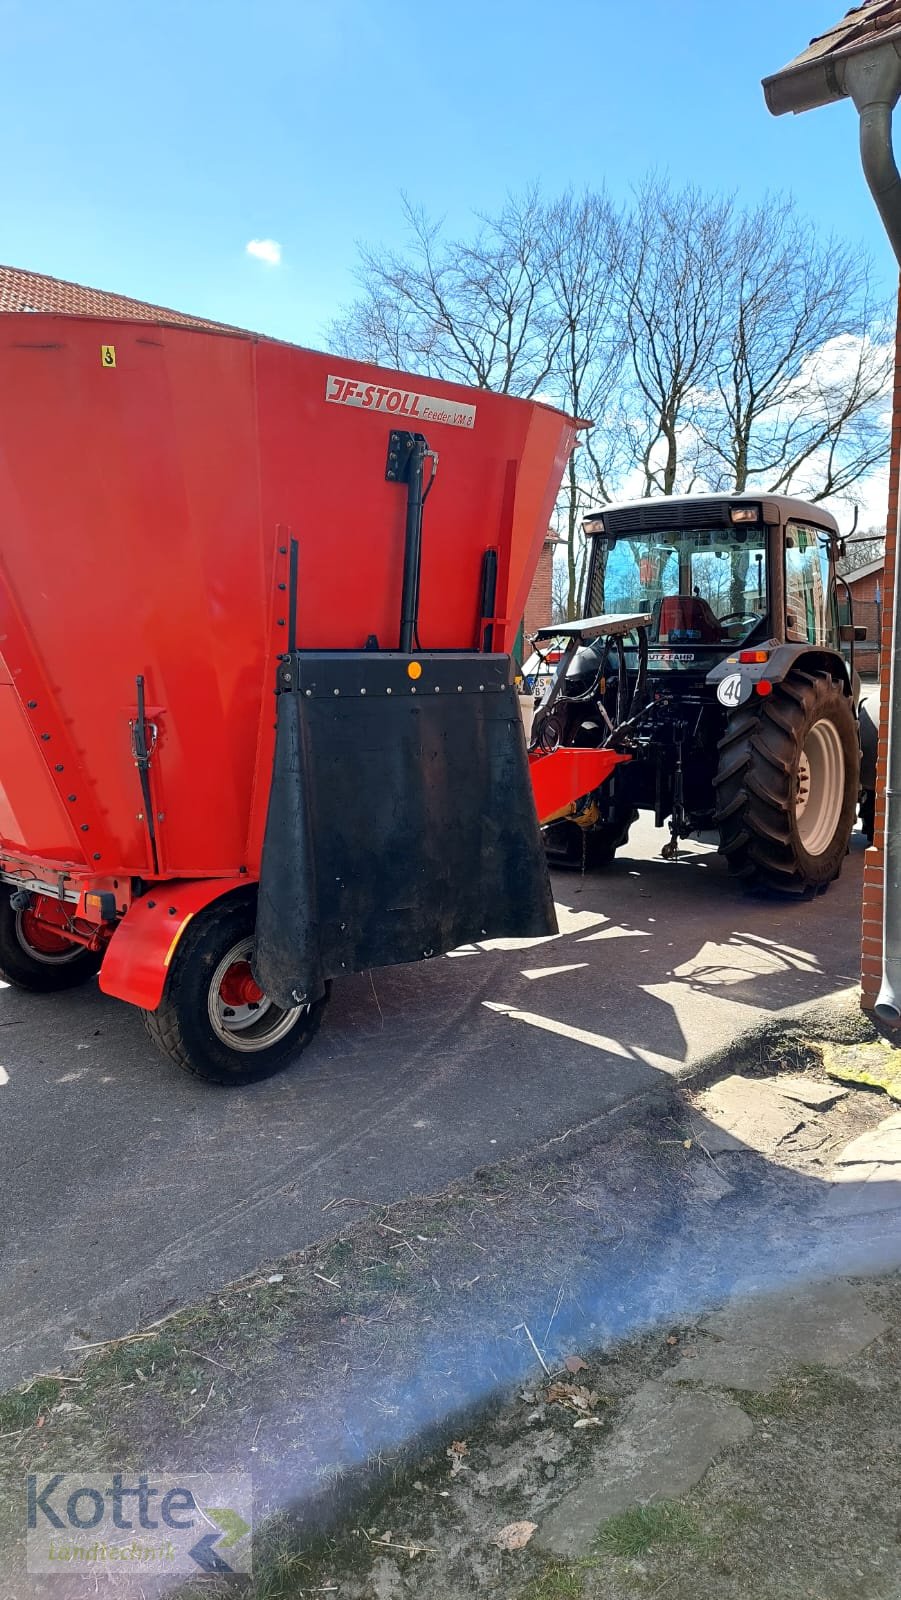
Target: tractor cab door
x: 811, y: 610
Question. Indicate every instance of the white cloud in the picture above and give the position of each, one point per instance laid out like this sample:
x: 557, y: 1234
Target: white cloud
x: 268, y: 250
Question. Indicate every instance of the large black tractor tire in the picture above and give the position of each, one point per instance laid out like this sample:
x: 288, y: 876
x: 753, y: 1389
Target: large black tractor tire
x: 787, y: 785
x: 568, y: 845
x: 212, y: 1021
x: 37, y: 959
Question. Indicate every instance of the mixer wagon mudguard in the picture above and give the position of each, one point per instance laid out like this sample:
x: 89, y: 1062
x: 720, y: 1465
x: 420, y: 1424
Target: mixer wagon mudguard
x: 401, y: 821
x: 140, y: 952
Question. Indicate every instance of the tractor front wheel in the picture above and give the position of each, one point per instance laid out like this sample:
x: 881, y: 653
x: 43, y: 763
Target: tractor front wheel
x: 38, y: 957
x: 787, y: 783
x: 214, y: 1020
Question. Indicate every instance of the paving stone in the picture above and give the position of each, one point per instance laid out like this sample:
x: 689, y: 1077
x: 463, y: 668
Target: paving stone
x: 663, y: 1447
x: 818, y: 1095
x: 746, y: 1113
x: 726, y: 1365
x: 862, y: 1188
x: 825, y: 1323
x: 882, y: 1143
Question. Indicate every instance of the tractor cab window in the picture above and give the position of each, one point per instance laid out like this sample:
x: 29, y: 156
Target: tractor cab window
x: 807, y: 586
x: 702, y: 586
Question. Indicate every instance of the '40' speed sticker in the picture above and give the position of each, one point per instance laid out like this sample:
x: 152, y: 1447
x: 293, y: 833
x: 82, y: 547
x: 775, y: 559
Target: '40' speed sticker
x: 733, y: 690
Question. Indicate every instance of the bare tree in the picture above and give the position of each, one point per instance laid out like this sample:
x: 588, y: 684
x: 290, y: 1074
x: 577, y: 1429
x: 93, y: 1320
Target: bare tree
x: 560, y: 594
x: 802, y: 363
x: 673, y: 293
x: 476, y: 311
x: 584, y: 251
x: 861, y: 549
x: 710, y: 347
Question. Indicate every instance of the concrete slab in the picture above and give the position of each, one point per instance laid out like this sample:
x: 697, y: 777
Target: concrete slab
x: 728, y: 1365
x: 819, y: 1096
x: 746, y: 1113
x: 826, y: 1323
x: 882, y: 1143
x: 862, y: 1189
x: 662, y: 1448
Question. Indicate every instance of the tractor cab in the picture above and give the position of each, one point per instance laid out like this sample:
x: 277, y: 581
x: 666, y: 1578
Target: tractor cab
x: 715, y: 642
x: 716, y: 574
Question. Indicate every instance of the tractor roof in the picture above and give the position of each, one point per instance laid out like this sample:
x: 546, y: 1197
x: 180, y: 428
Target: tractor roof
x: 777, y: 507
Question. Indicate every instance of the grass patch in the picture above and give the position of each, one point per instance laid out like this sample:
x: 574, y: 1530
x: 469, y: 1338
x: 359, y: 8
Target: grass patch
x: 643, y: 1527
x: 22, y: 1407
x: 557, y: 1582
x: 806, y: 1389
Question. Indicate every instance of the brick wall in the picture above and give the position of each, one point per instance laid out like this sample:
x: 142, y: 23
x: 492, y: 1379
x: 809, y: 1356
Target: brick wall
x: 871, y: 959
x: 538, y: 612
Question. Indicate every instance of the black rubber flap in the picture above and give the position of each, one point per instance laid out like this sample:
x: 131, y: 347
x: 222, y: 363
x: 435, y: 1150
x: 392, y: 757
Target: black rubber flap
x: 401, y: 821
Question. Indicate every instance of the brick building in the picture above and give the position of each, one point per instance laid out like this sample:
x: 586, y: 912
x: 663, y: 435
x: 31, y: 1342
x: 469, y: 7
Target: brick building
x: 540, y: 604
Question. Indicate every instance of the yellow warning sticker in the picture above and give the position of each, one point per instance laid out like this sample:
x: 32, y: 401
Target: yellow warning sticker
x: 107, y: 355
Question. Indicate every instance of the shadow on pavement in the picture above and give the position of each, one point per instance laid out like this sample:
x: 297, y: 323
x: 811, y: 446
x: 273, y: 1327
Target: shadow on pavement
x: 129, y: 1188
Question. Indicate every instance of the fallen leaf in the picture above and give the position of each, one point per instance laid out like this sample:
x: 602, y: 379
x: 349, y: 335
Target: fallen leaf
x: 575, y: 1396
x: 277, y: 1277
x: 515, y: 1536
x: 459, y: 1448
x: 672, y: 1338
x: 40, y: 1422
x: 588, y: 1422
x: 575, y: 1364
x: 686, y: 1144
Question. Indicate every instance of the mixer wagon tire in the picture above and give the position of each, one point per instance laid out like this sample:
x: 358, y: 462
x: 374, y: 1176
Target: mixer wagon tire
x: 37, y: 958
x: 787, y: 784
x: 213, y: 1020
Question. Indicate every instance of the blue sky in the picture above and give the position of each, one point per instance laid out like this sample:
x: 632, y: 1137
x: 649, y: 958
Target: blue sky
x: 146, y: 142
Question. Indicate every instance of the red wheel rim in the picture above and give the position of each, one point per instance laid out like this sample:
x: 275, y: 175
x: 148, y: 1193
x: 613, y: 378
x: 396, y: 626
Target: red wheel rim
x: 42, y: 939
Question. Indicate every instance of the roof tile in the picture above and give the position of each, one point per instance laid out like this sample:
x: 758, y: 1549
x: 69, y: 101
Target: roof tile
x: 35, y: 291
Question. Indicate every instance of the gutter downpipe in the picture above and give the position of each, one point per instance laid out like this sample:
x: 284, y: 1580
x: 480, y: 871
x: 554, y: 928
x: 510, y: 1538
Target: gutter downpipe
x: 872, y: 79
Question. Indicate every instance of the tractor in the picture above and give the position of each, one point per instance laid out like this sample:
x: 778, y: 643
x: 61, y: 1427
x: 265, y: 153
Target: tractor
x: 717, y: 661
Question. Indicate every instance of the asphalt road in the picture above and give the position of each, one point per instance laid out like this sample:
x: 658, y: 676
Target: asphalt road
x: 128, y: 1188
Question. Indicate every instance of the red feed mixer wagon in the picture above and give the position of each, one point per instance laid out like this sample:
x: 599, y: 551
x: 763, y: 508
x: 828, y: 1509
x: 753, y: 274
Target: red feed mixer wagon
x: 257, y: 723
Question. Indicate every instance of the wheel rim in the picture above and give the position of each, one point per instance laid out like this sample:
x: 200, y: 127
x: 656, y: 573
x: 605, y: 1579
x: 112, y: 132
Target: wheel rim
x: 44, y: 944
x: 819, y: 787
x: 240, y: 1014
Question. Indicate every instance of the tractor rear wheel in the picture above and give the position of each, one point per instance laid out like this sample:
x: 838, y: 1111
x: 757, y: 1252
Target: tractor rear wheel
x: 568, y: 845
x: 787, y: 783
x: 36, y: 957
x: 214, y: 1020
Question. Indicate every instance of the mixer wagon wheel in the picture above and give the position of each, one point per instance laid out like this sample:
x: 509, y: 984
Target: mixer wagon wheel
x: 35, y: 956
x: 214, y: 1020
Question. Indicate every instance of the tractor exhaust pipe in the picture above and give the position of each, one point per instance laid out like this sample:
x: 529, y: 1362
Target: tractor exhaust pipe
x: 872, y: 78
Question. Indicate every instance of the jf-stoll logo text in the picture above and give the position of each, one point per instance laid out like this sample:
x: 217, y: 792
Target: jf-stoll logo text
x: 121, y: 1523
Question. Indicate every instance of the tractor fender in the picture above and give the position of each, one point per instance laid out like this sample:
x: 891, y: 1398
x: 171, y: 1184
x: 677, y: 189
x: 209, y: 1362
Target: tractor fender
x: 780, y: 661
x: 138, y: 956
